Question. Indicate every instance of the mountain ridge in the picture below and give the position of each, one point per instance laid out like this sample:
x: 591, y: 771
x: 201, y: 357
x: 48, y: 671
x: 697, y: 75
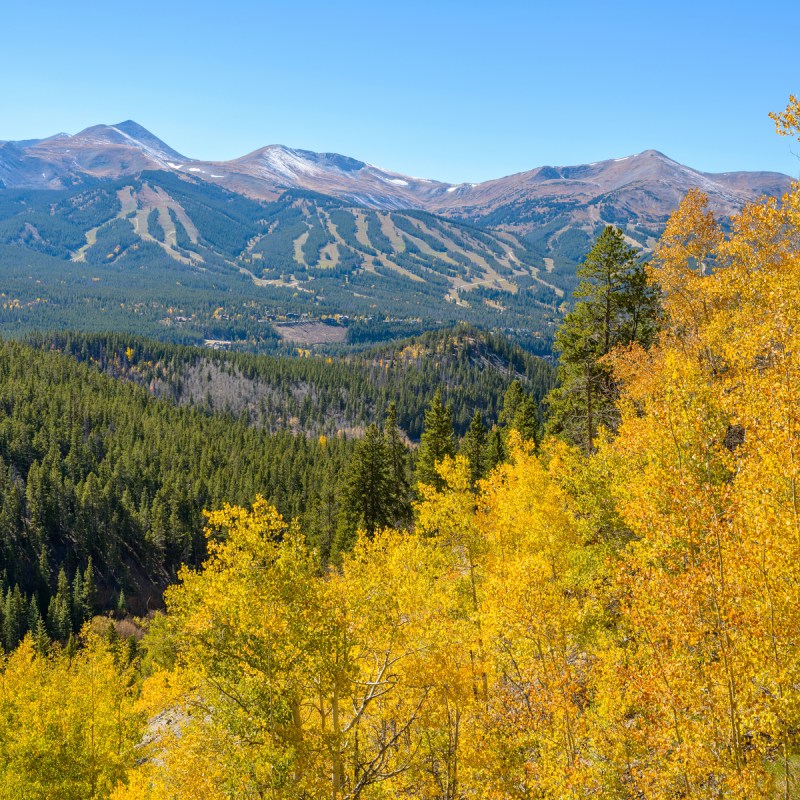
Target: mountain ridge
x: 126, y: 148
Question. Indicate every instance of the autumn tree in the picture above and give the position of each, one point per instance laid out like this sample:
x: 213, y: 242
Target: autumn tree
x: 291, y: 684
x: 705, y: 473
x: 787, y: 122
x: 68, y: 724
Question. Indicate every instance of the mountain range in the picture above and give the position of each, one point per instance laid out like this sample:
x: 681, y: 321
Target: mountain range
x: 648, y: 183
x: 323, y: 232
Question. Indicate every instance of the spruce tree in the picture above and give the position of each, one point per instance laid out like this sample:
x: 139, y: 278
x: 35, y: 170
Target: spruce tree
x: 43, y: 577
x: 511, y: 400
x: 89, y: 597
x: 526, y: 419
x: 474, y: 447
x: 496, y: 449
x: 41, y: 641
x: 59, y: 612
x: 320, y: 523
x: 78, y: 611
x: 367, y: 495
x: 616, y: 306
x: 14, y: 623
x: 437, y: 441
x: 122, y: 605
x: 397, y: 453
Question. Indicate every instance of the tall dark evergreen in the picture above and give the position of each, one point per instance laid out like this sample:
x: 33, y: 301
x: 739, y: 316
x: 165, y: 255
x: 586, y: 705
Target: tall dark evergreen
x: 41, y: 639
x: 399, y: 485
x: 474, y: 448
x: 367, y: 493
x: 14, y: 617
x: 526, y: 420
x: 437, y: 441
x: 511, y: 401
x: 616, y: 306
x: 495, y: 449
x: 321, y: 521
x: 520, y: 412
x: 59, y: 613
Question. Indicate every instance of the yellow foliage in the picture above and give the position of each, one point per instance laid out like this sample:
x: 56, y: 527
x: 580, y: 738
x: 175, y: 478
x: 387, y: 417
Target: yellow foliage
x: 707, y: 468
x: 424, y: 668
x: 67, y: 723
x: 787, y: 123
x: 293, y: 683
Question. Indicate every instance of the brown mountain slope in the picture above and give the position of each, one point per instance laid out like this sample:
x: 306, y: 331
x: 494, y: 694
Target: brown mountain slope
x: 102, y: 151
x: 649, y: 183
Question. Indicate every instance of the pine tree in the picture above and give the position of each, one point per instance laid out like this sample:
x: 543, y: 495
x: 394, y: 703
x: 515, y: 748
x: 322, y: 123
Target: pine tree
x: 437, y: 441
x: 89, y: 598
x: 13, y: 618
x: 474, y: 448
x: 322, y: 518
x: 526, y: 419
x: 511, y: 401
x: 38, y: 628
x: 59, y: 612
x: 122, y: 605
x: 41, y: 641
x: 78, y: 610
x: 495, y: 450
x: 367, y: 497
x: 616, y: 306
x: 399, y: 489
x: 43, y: 577
x: 83, y: 596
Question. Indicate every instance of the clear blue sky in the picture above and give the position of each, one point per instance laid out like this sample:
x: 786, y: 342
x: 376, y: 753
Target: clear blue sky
x: 460, y: 91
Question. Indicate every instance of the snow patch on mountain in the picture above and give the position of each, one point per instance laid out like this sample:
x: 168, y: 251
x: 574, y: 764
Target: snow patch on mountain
x: 159, y: 156
x: 287, y: 162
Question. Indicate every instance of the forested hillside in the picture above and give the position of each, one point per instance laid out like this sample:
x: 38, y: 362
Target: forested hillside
x: 95, y: 468
x: 330, y: 396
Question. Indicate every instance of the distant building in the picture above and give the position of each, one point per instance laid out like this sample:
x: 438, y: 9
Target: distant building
x: 218, y: 344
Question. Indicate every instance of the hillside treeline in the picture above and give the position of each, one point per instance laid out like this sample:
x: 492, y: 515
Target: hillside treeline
x: 317, y: 395
x: 94, y: 467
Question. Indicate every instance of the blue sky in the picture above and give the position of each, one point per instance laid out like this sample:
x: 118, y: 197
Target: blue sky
x: 459, y: 91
